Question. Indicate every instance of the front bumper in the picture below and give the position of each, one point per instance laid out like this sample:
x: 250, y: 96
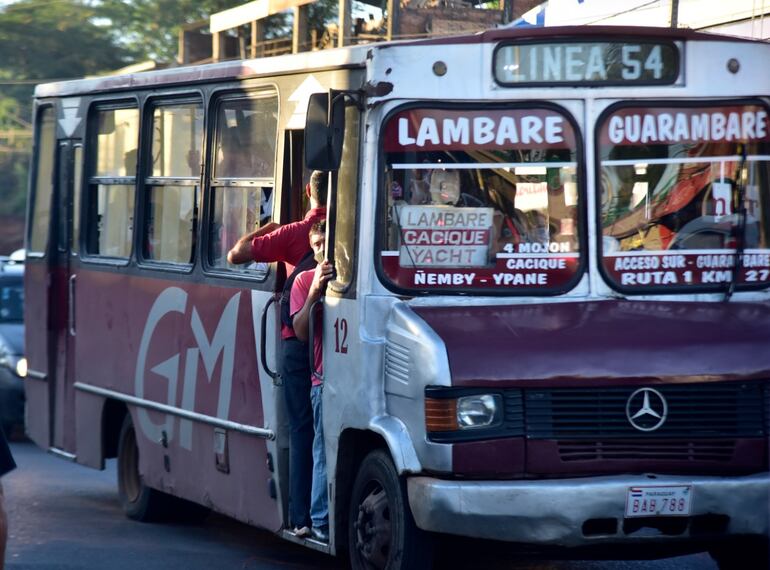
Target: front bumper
x: 553, y: 512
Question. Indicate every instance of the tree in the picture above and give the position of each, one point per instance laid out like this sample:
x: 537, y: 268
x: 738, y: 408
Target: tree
x: 151, y: 27
x: 42, y: 41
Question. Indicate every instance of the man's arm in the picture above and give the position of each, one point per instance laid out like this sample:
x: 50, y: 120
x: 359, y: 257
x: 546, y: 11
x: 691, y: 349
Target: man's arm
x: 241, y: 251
x: 301, y: 319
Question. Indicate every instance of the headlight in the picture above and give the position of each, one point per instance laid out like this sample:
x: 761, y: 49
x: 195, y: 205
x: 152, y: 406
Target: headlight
x: 477, y: 411
x: 21, y: 367
x: 463, y: 413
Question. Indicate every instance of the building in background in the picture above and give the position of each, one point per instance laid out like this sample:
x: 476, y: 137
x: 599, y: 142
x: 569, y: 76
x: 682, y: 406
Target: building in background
x: 240, y: 32
x: 745, y: 18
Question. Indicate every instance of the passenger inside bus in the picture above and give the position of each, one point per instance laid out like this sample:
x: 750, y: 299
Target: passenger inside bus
x: 547, y: 212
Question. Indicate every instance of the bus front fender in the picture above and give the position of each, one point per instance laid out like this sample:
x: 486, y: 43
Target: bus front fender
x: 399, y: 442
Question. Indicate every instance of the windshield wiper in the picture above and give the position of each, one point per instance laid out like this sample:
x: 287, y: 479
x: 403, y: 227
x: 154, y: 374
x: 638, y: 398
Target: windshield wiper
x: 739, y: 232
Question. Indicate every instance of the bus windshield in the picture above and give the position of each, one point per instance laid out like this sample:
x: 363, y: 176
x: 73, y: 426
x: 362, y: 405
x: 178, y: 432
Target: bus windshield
x: 681, y: 187
x: 480, y: 200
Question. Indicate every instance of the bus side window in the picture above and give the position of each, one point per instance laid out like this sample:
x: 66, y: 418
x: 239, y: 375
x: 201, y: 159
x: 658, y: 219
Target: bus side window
x: 243, y: 180
x: 171, y: 189
x: 114, y: 134
x: 41, y: 206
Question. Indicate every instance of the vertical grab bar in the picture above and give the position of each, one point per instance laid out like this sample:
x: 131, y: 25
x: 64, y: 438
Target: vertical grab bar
x: 263, y: 343
x: 71, y: 308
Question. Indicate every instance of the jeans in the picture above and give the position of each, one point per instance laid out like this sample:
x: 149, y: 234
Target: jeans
x: 295, y: 371
x: 319, y: 502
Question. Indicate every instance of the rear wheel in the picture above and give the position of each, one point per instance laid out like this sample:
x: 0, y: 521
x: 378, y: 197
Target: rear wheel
x: 139, y: 502
x: 382, y: 534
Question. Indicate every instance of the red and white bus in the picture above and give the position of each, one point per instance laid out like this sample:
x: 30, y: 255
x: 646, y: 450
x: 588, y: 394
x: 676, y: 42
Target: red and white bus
x: 550, y: 322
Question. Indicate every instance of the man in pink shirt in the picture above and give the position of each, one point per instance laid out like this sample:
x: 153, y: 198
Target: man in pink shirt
x: 308, y: 288
x: 289, y: 244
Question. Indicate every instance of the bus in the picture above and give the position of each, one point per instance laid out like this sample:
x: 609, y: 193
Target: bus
x: 550, y: 317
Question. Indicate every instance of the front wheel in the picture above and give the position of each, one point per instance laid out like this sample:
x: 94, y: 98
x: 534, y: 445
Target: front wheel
x: 382, y: 534
x: 139, y: 502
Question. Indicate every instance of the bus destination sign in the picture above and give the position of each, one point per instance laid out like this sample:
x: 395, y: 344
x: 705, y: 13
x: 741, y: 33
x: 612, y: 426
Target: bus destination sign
x: 587, y: 63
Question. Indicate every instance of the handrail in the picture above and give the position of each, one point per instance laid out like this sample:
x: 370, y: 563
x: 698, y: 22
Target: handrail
x: 263, y: 343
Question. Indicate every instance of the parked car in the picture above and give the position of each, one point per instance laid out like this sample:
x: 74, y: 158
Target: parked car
x: 13, y: 364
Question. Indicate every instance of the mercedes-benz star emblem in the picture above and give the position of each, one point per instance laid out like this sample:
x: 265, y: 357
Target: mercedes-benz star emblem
x: 646, y: 409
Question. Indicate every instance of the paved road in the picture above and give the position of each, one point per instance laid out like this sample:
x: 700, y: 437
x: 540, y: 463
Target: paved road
x: 64, y: 516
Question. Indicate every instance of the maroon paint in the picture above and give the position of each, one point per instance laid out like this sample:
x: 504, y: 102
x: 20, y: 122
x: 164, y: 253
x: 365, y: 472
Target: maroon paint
x: 497, y: 458
x: 38, y: 425
x: 689, y: 112
x: 749, y: 456
x: 603, y: 342
x: 112, y: 309
x: 685, y: 267
x: 415, y: 117
x: 512, y: 458
x: 442, y: 278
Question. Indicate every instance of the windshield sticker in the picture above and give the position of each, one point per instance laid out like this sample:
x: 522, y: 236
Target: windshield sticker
x: 444, y: 236
x: 719, y: 124
x: 651, y: 269
x: 510, y: 270
x: 439, y: 129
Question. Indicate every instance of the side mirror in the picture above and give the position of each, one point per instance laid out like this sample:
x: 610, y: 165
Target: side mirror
x: 324, y: 131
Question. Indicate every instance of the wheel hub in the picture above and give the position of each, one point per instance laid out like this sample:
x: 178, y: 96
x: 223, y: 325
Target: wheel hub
x: 373, y: 529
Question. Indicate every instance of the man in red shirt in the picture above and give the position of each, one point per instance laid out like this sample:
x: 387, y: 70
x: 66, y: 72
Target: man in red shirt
x: 306, y: 290
x: 289, y: 244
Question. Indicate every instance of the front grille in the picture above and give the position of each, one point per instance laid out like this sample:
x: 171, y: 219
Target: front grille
x: 657, y: 450
x: 695, y: 411
x: 513, y: 417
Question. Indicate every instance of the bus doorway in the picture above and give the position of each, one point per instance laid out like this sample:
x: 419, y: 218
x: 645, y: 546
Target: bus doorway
x: 62, y: 297
x: 51, y: 276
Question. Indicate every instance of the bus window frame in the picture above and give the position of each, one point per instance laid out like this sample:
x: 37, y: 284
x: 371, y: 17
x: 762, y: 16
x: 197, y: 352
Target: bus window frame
x: 78, y: 190
x: 89, y: 181
x: 335, y: 288
x: 582, y: 206
x: 679, y: 47
x: 209, y: 182
x: 34, y: 174
x: 145, y: 180
x: 598, y: 123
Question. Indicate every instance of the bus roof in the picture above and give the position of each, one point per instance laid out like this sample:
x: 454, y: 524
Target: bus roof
x: 351, y: 57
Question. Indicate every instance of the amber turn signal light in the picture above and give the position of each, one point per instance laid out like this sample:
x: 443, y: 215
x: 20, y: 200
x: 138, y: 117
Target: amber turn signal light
x: 441, y: 415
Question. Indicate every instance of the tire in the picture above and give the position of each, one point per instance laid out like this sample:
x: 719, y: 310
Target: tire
x: 742, y: 554
x: 382, y: 534
x: 138, y: 501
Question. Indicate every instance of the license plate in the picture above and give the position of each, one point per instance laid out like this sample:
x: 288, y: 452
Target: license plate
x: 659, y: 501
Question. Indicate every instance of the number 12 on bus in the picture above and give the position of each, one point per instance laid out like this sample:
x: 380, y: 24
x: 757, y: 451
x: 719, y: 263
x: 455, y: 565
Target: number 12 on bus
x: 549, y: 317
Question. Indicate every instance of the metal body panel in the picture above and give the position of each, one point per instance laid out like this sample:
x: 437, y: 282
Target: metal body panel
x: 189, y: 346
x: 38, y: 417
x: 553, y: 511
x: 89, y: 410
x: 597, y: 342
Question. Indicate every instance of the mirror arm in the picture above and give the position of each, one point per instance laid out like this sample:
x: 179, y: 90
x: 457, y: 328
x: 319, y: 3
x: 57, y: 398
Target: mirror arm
x: 354, y: 95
